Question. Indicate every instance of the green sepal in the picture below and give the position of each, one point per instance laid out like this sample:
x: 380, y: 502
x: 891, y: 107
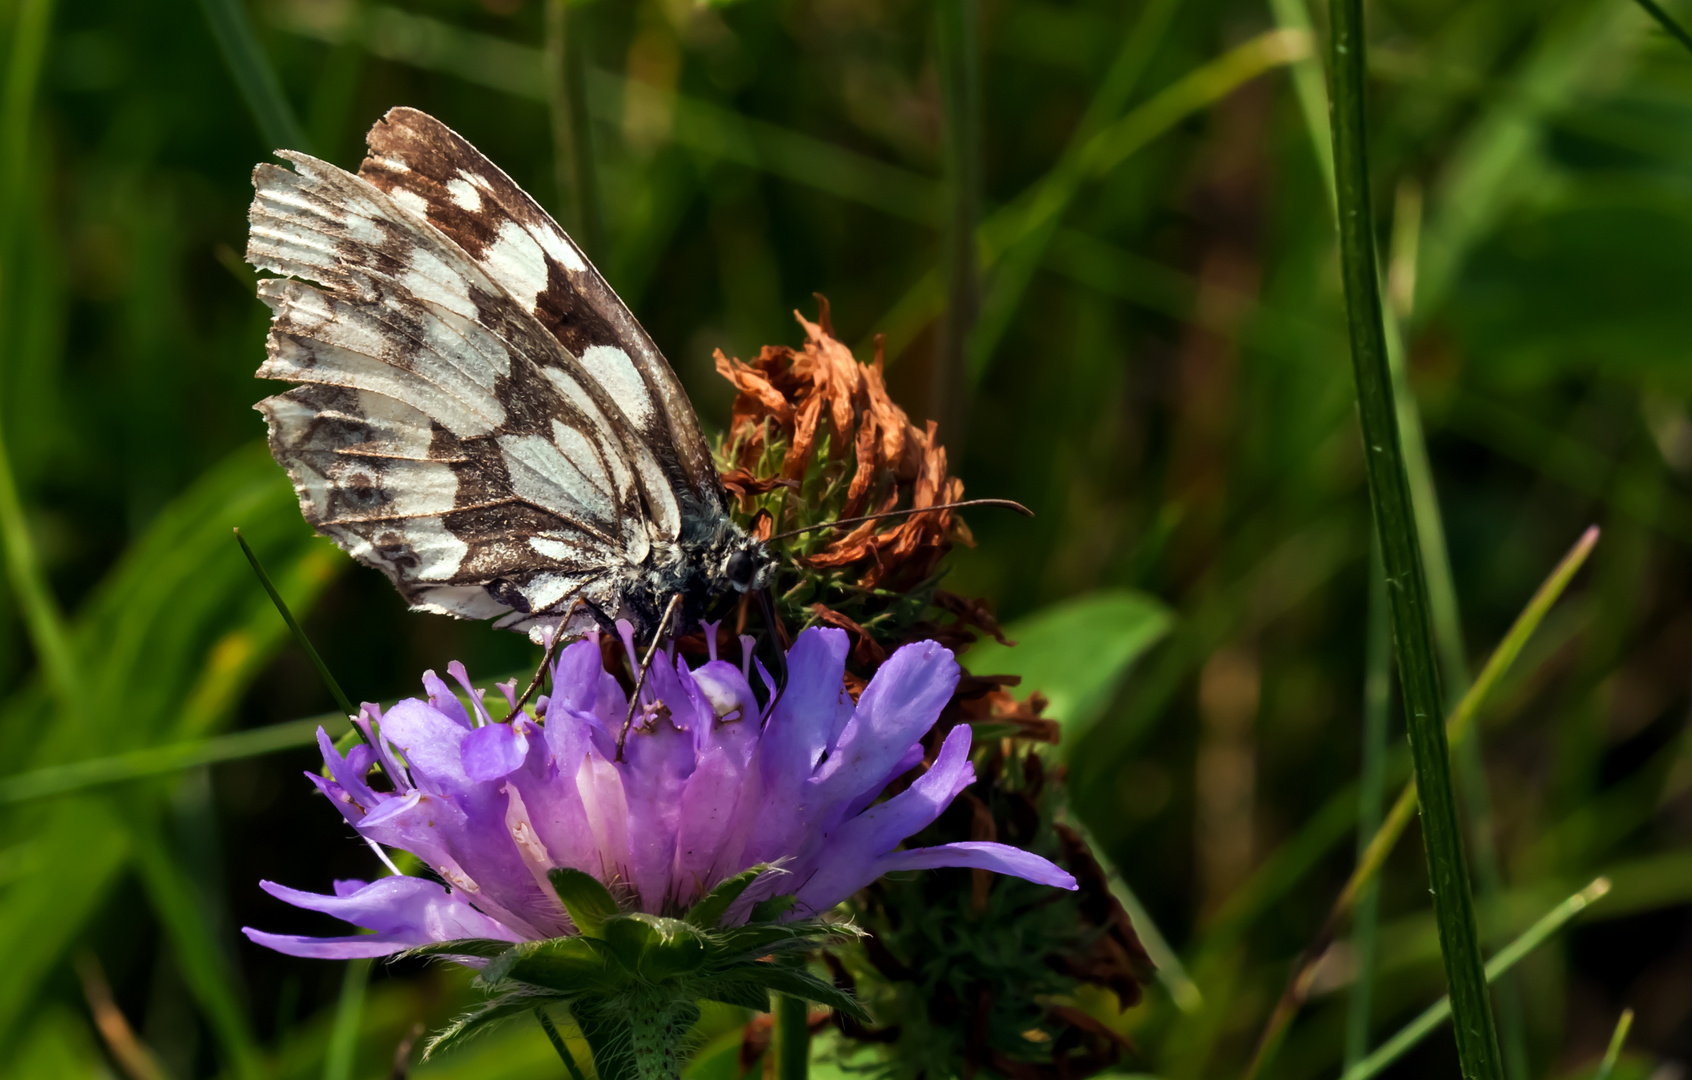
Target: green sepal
x: 772, y: 909
x: 588, y: 902
x: 761, y: 939
x: 796, y: 983
x: 654, y: 947
x: 466, y: 1025
x: 480, y: 948
x: 708, y: 913
x: 742, y: 992
x: 568, y: 966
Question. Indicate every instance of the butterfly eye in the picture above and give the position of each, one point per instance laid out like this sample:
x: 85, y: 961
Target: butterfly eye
x: 741, y: 569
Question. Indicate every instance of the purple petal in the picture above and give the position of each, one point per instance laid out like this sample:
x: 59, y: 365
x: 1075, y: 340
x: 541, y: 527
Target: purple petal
x: 901, y: 702
x: 443, y: 699
x: 330, y: 948
x: 403, y: 912
x: 850, y: 858
x: 491, y: 752
x: 982, y: 855
x: 430, y: 740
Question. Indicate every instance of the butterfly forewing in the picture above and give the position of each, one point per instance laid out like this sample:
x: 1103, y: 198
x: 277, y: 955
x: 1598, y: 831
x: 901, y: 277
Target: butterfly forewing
x: 442, y: 431
x: 426, y: 167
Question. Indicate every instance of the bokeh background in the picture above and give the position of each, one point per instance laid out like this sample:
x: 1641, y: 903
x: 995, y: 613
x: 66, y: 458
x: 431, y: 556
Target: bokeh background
x: 1151, y: 355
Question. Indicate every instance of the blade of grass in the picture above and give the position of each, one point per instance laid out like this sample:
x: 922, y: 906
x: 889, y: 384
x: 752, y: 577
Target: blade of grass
x: 572, y: 129
x: 434, y: 45
x: 1371, y: 793
x: 294, y: 628
x: 1507, y: 958
x: 1395, y: 521
x: 1311, y: 86
x: 1612, y: 1053
x: 82, y: 776
x: 1675, y: 30
x: 1027, y: 219
x: 204, y: 965
x: 958, y: 44
x: 349, y: 1014
x: 42, y: 617
x: 254, y: 76
x: 1048, y: 196
x: 1380, y: 845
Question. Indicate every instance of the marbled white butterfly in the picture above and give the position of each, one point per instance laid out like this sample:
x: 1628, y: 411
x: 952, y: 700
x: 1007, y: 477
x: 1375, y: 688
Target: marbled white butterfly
x: 477, y: 414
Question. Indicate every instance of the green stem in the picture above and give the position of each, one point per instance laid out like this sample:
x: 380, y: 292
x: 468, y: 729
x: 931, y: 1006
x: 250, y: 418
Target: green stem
x: 793, y: 1038
x: 1371, y: 792
x: 558, y: 1044
x: 572, y: 133
x: 960, y: 96
x: 1395, y: 521
x: 294, y: 627
x: 657, y: 1026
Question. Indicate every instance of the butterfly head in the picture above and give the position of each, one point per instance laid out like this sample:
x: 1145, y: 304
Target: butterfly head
x: 748, y: 566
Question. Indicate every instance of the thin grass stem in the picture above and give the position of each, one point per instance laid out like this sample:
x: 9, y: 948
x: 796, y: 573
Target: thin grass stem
x: 1395, y: 521
x: 1371, y: 793
x: 1667, y: 22
x: 203, y: 963
x: 254, y: 76
x: 1418, y: 1029
x: 342, y: 1053
x: 42, y: 617
x: 1612, y: 1053
x: 1404, y: 809
x: 957, y: 38
x: 565, y: 62
x: 294, y: 628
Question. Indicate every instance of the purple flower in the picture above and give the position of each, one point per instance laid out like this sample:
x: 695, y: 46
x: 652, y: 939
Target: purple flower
x: 708, y: 784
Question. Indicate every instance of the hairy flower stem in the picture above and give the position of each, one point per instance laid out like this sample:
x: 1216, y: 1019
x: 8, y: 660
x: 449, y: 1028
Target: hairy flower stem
x: 657, y: 1024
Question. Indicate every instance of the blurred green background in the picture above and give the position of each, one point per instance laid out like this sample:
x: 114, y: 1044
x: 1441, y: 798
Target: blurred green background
x: 1157, y: 367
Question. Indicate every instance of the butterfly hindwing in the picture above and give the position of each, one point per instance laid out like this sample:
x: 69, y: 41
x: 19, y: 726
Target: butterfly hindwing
x: 440, y: 432
x: 424, y: 166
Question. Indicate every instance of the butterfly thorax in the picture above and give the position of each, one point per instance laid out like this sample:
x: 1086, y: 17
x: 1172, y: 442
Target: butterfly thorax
x: 710, y: 567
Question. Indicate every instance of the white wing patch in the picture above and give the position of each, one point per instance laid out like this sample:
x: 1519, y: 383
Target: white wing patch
x: 464, y: 194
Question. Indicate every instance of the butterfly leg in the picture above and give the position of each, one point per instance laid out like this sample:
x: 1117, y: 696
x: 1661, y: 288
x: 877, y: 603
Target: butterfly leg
x: 778, y: 638
x: 546, y: 661
x: 645, y: 665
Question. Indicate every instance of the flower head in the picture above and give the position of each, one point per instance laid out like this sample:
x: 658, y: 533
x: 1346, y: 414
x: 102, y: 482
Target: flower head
x: 706, y: 784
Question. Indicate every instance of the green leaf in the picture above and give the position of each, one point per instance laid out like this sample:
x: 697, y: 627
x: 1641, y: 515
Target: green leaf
x: 709, y: 911
x: 1077, y: 652
x: 772, y: 909
x: 570, y: 966
x: 654, y: 947
x: 469, y: 1024
x: 585, y: 898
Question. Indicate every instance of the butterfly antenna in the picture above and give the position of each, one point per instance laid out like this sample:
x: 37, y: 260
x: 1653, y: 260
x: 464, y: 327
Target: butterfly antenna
x: 645, y: 666
x: 1008, y: 504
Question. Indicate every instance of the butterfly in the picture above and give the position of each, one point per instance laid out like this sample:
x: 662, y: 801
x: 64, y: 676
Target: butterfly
x: 477, y: 414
